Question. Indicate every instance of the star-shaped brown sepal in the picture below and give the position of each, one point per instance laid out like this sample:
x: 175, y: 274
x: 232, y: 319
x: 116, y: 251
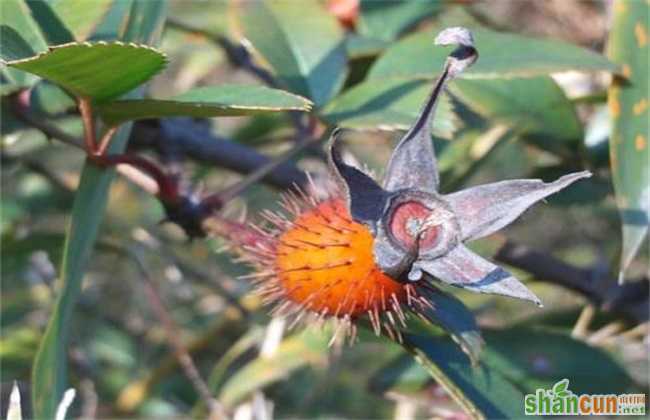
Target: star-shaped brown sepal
x: 419, y: 232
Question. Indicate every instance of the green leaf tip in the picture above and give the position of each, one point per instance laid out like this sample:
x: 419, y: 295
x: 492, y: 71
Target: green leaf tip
x: 206, y: 102
x: 100, y: 71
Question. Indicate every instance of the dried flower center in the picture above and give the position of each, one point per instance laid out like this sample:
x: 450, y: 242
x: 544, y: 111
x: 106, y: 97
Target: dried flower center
x: 325, y: 264
x: 410, y: 220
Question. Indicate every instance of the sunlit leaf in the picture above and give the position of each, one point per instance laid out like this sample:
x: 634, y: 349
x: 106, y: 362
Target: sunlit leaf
x: 306, y: 348
x: 536, y: 107
x: 501, y: 55
x: 303, y: 45
x: 213, y: 101
x: 99, y: 71
x: 628, y: 106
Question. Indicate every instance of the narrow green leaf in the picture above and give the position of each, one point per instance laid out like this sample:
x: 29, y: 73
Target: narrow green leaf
x: 392, y: 104
x: 20, y: 38
x: 386, y: 20
x: 515, y: 361
x: 100, y: 71
x: 16, y: 15
x: 53, y: 28
x: 81, y: 18
x: 453, y: 316
x: 14, y: 47
x: 305, y: 348
x: 628, y: 105
x: 483, y: 392
x: 112, y: 25
x: 213, y: 101
x: 144, y: 24
x: 501, y: 55
x: 50, y: 365
x: 49, y: 374
x: 304, y: 45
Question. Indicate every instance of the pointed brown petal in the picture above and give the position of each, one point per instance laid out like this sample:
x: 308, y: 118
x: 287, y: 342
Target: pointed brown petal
x: 413, y: 163
x: 485, y: 209
x: 463, y: 268
x: 366, y: 200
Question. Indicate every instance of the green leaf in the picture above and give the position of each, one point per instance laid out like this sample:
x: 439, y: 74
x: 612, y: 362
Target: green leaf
x: 453, y: 316
x: 79, y: 18
x: 14, y: 47
x: 144, y: 24
x: 481, y: 391
x: 537, y: 358
x: 535, y: 107
x: 303, y: 45
x: 402, y: 374
x: 50, y: 365
x: 100, y: 71
x: 49, y: 99
x: 306, y: 348
x: 20, y: 38
x: 112, y: 25
x: 49, y: 374
x: 501, y: 55
x: 213, y: 101
x: 15, y: 14
x: 388, y: 105
x: 64, y: 21
x: 628, y: 105
x: 386, y: 20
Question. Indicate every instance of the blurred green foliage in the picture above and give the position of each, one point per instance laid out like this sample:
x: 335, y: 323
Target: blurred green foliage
x: 510, y: 116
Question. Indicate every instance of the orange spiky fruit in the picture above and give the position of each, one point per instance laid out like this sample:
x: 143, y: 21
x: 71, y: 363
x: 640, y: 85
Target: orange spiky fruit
x: 319, y: 262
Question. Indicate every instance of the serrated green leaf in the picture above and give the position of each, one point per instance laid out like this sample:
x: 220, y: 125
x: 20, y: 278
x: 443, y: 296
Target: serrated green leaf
x: 501, y: 55
x: 303, y: 45
x: 213, y: 101
x: 536, y: 107
x: 628, y: 104
x: 100, y: 71
x: 388, y: 105
x: 386, y: 20
x: 305, y: 348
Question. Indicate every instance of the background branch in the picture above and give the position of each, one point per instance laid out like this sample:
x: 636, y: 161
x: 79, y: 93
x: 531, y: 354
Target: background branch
x: 629, y: 299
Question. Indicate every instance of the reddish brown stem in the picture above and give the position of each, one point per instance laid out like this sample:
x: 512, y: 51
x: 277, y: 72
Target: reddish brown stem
x: 168, y: 189
x: 106, y: 140
x: 85, y: 109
